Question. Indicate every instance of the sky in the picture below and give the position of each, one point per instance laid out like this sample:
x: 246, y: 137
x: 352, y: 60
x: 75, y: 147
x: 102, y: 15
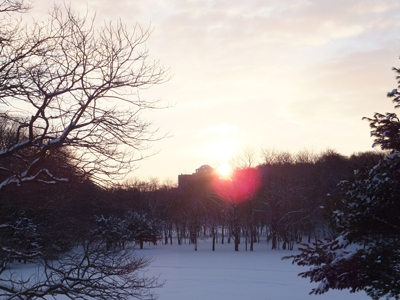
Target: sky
x: 287, y: 75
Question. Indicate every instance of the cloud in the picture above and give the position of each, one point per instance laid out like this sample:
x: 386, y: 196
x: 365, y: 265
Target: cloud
x: 335, y: 30
x: 274, y: 73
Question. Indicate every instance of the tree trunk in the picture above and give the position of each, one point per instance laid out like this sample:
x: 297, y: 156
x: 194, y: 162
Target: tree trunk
x: 223, y: 234
x: 273, y: 232
x: 178, y: 233
x: 213, y: 240
x: 236, y: 245
x: 165, y: 237
x: 237, y: 239
x: 251, y: 237
x: 245, y: 241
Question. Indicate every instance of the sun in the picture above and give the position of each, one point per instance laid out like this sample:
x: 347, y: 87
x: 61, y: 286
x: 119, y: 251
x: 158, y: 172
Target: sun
x: 224, y: 170
x: 220, y: 150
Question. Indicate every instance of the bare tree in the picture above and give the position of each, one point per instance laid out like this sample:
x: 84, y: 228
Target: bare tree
x: 247, y: 158
x: 305, y: 157
x: 88, y: 272
x: 65, y: 84
x: 276, y: 157
x: 9, y: 6
x: 67, y: 88
x: 238, y: 195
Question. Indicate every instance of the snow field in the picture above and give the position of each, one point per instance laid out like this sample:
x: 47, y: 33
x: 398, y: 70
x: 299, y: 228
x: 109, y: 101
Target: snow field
x: 229, y: 275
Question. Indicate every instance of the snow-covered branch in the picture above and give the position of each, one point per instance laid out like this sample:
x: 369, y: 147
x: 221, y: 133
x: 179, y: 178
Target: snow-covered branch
x: 87, y: 272
x: 61, y: 77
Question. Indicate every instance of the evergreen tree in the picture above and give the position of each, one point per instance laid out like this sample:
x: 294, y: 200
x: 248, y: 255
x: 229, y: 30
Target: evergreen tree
x: 365, y: 255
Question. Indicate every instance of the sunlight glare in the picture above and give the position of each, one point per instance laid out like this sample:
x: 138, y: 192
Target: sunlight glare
x: 224, y: 169
x: 221, y: 150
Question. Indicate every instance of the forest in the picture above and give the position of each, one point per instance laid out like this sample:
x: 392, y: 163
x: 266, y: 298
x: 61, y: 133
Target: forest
x: 285, y: 200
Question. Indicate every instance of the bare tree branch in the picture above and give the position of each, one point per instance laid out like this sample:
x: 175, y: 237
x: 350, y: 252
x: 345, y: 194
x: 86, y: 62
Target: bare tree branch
x: 65, y: 84
x: 8, y: 6
x: 88, y: 272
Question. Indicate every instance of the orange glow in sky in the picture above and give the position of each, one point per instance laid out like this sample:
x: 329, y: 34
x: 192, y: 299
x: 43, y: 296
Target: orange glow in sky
x: 285, y: 75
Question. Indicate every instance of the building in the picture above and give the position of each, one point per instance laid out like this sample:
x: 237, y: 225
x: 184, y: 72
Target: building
x: 202, y: 175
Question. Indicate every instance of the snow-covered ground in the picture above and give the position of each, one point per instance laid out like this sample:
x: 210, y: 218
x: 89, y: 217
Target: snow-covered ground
x: 229, y: 275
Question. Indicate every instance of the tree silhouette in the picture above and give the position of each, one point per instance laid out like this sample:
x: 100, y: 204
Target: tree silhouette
x: 65, y: 84
x: 366, y: 217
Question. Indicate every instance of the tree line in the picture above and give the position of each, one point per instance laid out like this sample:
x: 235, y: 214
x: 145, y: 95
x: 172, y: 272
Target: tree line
x: 281, y: 200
